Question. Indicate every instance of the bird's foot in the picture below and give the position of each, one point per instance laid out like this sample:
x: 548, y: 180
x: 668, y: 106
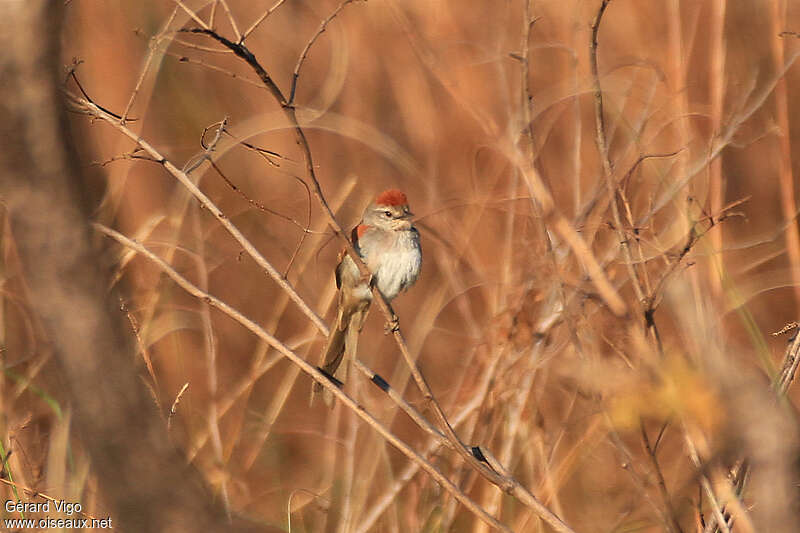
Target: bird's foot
x: 392, y: 325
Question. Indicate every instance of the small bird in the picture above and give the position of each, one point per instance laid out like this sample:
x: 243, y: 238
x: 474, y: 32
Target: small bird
x: 388, y: 243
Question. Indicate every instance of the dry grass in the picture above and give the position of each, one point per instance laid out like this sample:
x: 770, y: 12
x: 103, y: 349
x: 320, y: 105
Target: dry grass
x: 596, y: 316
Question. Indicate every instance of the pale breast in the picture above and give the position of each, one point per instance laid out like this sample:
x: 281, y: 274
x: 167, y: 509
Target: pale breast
x: 400, y: 265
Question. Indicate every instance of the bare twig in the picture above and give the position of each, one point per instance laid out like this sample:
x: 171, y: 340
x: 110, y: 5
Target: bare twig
x: 304, y: 54
x: 608, y: 171
x: 258, y: 205
x: 142, y: 348
x: 261, y: 19
x: 154, y: 43
x: 191, y: 13
x: 231, y: 20
x: 198, y: 160
x: 192, y: 61
x: 673, y: 524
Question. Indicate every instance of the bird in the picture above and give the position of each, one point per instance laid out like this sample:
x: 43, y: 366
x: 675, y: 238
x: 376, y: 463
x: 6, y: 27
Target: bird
x: 389, y: 245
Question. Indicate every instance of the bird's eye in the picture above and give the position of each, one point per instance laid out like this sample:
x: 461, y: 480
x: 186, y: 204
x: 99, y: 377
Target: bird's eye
x: 388, y: 214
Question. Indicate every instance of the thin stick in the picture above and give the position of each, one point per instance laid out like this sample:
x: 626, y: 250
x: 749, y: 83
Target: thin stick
x: 200, y: 47
x: 300, y: 60
x: 155, y: 41
x: 142, y: 348
x: 190, y: 60
x: 261, y: 19
x: 608, y: 171
x: 192, y: 14
x: 231, y: 20
x: 673, y: 524
x: 213, y: 15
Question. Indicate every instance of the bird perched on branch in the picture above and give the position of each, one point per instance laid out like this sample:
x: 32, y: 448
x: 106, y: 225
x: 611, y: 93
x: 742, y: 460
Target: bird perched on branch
x: 388, y: 243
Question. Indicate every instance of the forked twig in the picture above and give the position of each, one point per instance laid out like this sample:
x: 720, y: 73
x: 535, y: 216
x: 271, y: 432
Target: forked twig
x: 602, y: 146
x: 304, y: 54
x: 231, y: 20
x: 191, y: 13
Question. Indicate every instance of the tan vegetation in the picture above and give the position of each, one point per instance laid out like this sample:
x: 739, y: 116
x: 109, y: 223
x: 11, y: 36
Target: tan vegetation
x: 606, y: 200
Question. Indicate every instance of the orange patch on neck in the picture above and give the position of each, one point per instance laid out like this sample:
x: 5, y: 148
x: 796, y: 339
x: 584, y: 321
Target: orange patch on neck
x: 392, y: 197
x: 361, y: 229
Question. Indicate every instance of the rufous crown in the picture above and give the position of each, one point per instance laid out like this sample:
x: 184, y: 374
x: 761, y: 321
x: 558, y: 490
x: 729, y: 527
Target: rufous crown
x: 392, y: 197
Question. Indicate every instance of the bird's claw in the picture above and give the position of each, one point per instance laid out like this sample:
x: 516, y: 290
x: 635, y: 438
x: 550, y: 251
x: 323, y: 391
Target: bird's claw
x: 392, y: 325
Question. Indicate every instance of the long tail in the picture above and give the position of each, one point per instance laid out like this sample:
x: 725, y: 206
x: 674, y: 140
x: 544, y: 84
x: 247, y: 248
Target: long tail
x: 334, y: 353
x: 332, y: 358
x: 342, y: 342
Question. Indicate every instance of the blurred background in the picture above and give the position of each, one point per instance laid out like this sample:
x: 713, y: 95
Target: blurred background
x: 614, y: 424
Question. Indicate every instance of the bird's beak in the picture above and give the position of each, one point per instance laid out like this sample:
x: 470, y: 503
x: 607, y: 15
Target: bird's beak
x: 407, y: 214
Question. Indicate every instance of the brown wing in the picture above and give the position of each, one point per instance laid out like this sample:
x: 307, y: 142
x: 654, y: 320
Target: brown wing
x: 354, y: 240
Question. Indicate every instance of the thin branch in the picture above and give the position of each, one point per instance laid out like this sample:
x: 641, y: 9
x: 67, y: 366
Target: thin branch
x: 231, y: 20
x: 190, y: 60
x: 300, y: 60
x: 258, y: 205
x: 123, y: 306
x: 191, y: 165
x: 154, y: 43
x: 608, y: 171
x: 673, y: 524
x: 200, y: 47
x: 212, y: 16
x: 129, y: 156
x: 192, y: 14
x: 260, y: 19
x: 384, y: 500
